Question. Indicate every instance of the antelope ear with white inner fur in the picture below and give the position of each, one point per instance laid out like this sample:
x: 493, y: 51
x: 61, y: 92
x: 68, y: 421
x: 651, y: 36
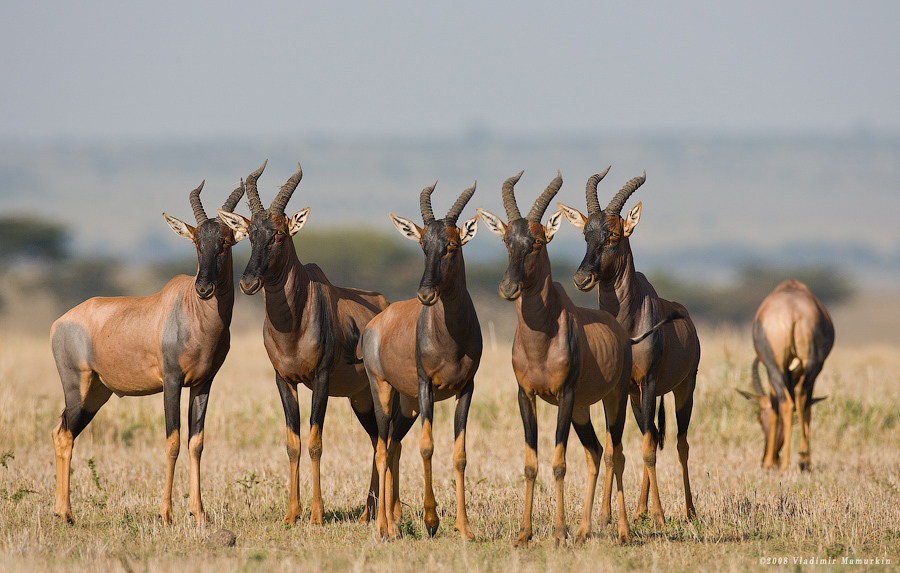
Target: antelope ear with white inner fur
x: 553, y: 224
x: 237, y: 223
x: 406, y: 227
x: 181, y: 228
x: 632, y: 219
x: 297, y: 221
x: 573, y: 215
x: 493, y: 222
x: 469, y: 229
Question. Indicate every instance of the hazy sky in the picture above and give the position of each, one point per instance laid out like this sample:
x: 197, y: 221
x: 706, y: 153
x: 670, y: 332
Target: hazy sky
x: 99, y: 69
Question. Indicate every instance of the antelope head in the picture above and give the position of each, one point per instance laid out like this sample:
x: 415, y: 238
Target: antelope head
x: 605, y: 232
x: 768, y: 412
x: 525, y: 238
x: 212, y: 238
x: 269, y: 229
x: 441, y: 241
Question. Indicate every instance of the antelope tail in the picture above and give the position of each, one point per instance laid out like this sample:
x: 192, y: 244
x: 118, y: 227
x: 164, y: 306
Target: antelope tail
x: 675, y: 315
x: 351, y: 342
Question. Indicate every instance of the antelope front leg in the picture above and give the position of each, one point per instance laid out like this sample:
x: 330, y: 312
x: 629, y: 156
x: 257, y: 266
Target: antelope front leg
x: 563, y: 424
x: 606, y: 504
x: 365, y: 412
x: 593, y: 451
x: 288, y: 393
x: 316, y: 422
x: 529, y: 421
x: 619, y: 469
x: 426, y: 448
x: 198, y: 401
x: 460, y: 418
x: 171, y: 404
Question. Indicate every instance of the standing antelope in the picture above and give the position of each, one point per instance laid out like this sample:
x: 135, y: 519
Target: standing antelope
x: 569, y: 356
x: 425, y: 349
x: 311, y: 333
x: 135, y: 346
x: 792, y: 335
x: 667, y: 361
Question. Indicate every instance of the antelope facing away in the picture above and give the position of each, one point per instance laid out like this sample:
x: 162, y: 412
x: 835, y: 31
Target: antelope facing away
x: 425, y: 350
x: 792, y: 335
x: 667, y: 360
x: 311, y: 333
x: 568, y: 356
x: 134, y: 346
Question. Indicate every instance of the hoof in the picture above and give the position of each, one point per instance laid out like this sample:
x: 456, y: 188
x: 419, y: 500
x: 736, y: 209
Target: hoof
x: 66, y: 517
x: 805, y: 466
x: 432, y: 531
x: 524, y: 538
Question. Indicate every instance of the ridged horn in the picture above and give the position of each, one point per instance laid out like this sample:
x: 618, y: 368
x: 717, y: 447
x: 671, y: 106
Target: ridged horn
x: 252, y: 194
x: 593, y: 204
x: 233, y: 199
x: 199, y: 213
x: 509, y: 199
x: 281, y: 200
x: 615, y: 206
x: 456, y: 209
x: 540, y: 204
x: 425, y: 203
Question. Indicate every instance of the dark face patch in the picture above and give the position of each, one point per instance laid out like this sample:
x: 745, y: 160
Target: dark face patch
x: 268, y: 235
x: 211, y: 252
x: 523, y: 247
x: 440, y: 248
x: 602, y: 247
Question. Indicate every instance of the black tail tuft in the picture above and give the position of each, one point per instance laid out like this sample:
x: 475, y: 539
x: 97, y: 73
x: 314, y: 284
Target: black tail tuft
x: 661, y: 422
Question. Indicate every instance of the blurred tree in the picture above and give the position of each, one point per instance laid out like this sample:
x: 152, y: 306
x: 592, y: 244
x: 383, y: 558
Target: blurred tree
x: 28, y: 237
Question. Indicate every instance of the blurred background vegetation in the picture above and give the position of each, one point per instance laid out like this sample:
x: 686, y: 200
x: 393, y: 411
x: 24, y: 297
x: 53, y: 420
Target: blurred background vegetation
x: 39, y: 270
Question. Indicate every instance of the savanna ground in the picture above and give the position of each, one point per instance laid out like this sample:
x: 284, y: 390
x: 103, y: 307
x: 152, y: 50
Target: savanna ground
x: 847, y: 507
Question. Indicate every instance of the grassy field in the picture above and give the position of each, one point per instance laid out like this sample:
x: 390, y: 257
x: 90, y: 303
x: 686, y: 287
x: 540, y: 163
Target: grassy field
x: 847, y: 507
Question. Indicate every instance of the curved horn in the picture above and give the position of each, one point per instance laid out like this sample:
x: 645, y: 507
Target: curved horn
x: 233, y: 199
x: 456, y: 209
x: 540, y: 205
x: 280, y: 201
x: 615, y: 206
x: 425, y: 204
x: 593, y: 204
x: 199, y: 213
x: 509, y: 199
x: 252, y: 194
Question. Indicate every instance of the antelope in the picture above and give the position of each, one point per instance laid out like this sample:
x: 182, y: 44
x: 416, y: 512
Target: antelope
x: 792, y: 335
x: 667, y: 360
x: 566, y: 355
x: 311, y: 333
x: 425, y: 349
x: 135, y: 346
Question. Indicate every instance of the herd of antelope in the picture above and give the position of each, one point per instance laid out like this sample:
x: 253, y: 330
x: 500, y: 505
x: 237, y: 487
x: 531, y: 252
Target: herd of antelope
x: 394, y: 360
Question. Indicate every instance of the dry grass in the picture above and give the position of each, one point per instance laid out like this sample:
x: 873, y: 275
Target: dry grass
x: 847, y: 507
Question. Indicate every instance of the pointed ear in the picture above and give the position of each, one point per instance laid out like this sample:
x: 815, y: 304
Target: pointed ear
x: 632, y: 219
x: 468, y: 230
x: 493, y: 222
x: 553, y: 224
x: 573, y: 216
x: 181, y: 228
x: 238, y: 224
x: 297, y: 221
x: 406, y: 227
